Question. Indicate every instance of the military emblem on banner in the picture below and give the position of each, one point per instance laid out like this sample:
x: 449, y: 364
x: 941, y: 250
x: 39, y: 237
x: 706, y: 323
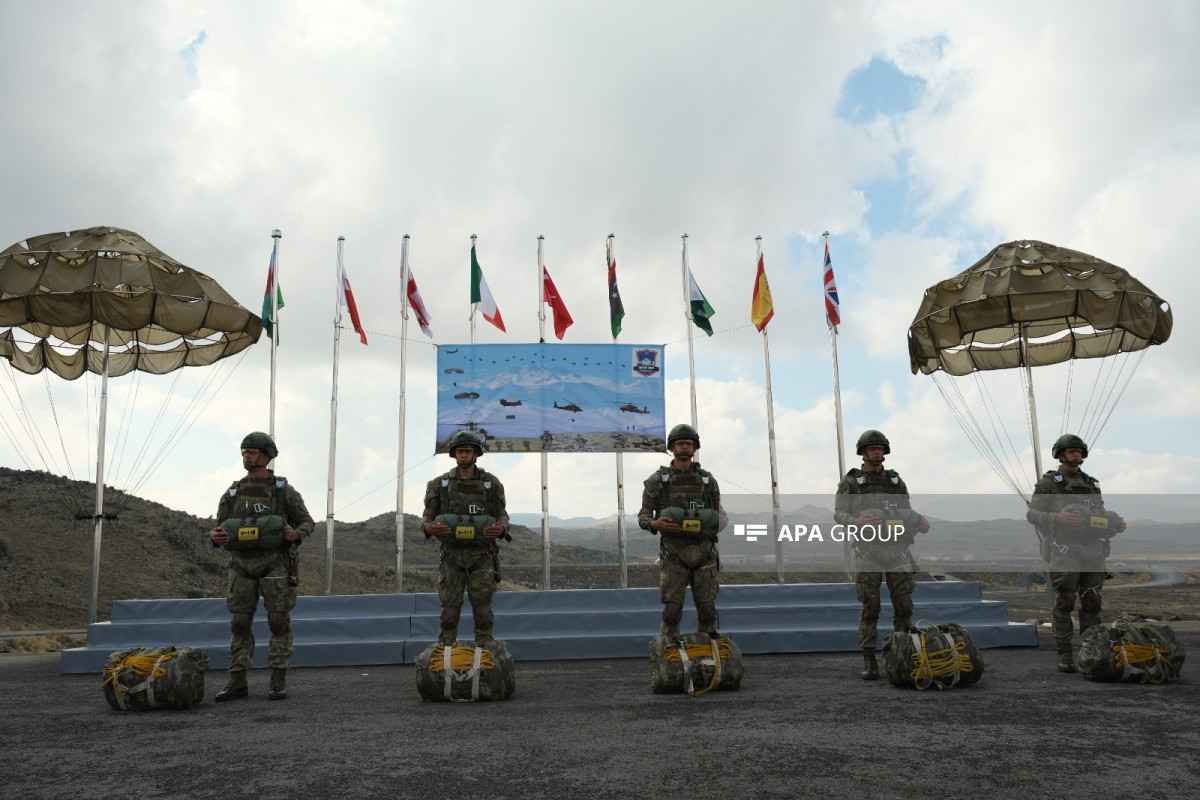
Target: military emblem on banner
x: 645, y: 362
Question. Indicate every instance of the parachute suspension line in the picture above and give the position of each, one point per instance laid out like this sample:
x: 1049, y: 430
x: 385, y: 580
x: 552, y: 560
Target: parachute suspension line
x: 1091, y: 412
x: 195, y: 408
x: 1113, y: 405
x: 121, y: 439
x: 21, y: 414
x: 970, y: 426
x: 1012, y: 470
x: 57, y: 427
x: 1066, y: 411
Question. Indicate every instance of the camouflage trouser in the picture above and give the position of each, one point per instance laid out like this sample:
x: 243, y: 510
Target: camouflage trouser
x: 279, y: 597
x: 684, y: 561
x: 466, y: 569
x: 867, y: 585
x: 1067, y: 586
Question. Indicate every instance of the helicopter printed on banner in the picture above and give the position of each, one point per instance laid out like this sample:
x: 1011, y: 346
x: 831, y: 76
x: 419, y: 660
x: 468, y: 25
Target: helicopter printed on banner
x: 564, y: 398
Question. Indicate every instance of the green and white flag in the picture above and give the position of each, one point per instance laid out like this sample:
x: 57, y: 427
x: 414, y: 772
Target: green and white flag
x: 701, y: 310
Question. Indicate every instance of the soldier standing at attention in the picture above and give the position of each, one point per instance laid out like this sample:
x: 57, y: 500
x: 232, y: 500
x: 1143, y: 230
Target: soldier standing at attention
x: 1068, y: 513
x: 262, y: 520
x: 683, y: 503
x: 876, y: 501
x: 465, y: 510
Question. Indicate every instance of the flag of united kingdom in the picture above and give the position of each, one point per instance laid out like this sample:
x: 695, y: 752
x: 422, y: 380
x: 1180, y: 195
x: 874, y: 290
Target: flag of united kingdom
x: 832, y: 316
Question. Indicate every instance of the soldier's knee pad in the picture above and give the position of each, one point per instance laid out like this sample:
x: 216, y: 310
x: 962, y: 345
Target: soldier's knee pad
x: 902, y: 606
x: 1089, y: 601
x: 241, y: 623
x: 279, y: 622
x: 1064, y: 602
x: 870, y: 609
x: 672, y: 613
x: 450, y: 616
x: 706, y: 614
x: 483, y: 615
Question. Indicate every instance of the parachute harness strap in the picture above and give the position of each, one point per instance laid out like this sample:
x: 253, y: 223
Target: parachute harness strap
x: 460, y: 663
x: 145, y: 664
x: 928, y: 667
x: 686, y: 652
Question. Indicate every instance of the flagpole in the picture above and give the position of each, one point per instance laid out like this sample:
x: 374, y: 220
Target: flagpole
x: 274, y: 292
x: 337, y: 335
x: 94, y: 598
x: 687, y: 311
x: 404, y: 278
x: 775, y: 513
x: 541, y: 307
x: 473, y: 305
x: 622, y: 552
x: 837, y: 412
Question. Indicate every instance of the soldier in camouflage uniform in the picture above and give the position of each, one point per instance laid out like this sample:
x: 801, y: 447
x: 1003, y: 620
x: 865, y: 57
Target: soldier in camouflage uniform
x: 266, y: 565
x: 683, y: 503
x: 465, y: 511
x: 1068, y: 513
x: 877, y: 497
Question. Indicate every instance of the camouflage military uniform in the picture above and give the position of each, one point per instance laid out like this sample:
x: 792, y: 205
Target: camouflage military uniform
x: 472, y: 565
x: 1077, y: 553
x: 684, y: 557
x: 860, y: 491
x: 265, y: 571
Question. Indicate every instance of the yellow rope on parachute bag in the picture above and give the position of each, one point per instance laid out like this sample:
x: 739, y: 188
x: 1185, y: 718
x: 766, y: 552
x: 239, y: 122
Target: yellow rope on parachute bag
x: 461, y: 658
x: 947, y: 661
x: 142, y: 663
x: 718, y: 648
x: 1142, y: 656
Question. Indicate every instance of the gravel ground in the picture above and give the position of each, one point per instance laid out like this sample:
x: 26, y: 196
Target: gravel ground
x: 801, y: 725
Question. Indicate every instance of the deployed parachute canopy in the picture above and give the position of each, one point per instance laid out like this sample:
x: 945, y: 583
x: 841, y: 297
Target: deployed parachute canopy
x: 1028, y: 303
x: 1031, y: 304
x: 70, y: 294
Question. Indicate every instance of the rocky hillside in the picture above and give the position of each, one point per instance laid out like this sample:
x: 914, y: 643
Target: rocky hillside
x: 150, y: 551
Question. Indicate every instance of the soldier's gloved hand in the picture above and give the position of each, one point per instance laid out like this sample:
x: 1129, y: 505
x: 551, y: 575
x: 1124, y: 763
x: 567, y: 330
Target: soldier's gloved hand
x: 437, y: 529
x: 219, y: 537
x: 923, y: 525
x: 290, y: 534
x: 867, y: 519
x: 493, y: 531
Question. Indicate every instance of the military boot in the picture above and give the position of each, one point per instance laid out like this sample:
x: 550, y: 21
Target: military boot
x: 237, y: 687
x: 1066, y: 662
x: 278, y: 685
x: 870, y: 666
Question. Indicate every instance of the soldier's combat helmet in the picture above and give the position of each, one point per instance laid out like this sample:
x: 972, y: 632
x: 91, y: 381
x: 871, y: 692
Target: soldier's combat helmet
x: 1067, y: 441
x: 683, y: 431
x: 257, y: 440
x: 871, y: 438
x: 464, y: 439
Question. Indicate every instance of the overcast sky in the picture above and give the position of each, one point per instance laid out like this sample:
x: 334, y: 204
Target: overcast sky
x: 918, y: 134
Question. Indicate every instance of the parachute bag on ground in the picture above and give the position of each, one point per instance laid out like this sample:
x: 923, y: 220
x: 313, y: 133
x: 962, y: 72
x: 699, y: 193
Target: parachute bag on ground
x: 1127, y: 651
x: 944, y: 656
x: 694, y: 664
x: 144, y: 678
x: 465, y: 672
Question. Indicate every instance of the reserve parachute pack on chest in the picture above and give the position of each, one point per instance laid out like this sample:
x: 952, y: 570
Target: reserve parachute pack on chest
x: 899, y: 524
x: 1084, y: 499
x: 259, y: 526
x: 694, y: 517
x: 471, y: 496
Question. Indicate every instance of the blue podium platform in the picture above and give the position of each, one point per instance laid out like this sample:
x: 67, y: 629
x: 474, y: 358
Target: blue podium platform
x: 348, y: 630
